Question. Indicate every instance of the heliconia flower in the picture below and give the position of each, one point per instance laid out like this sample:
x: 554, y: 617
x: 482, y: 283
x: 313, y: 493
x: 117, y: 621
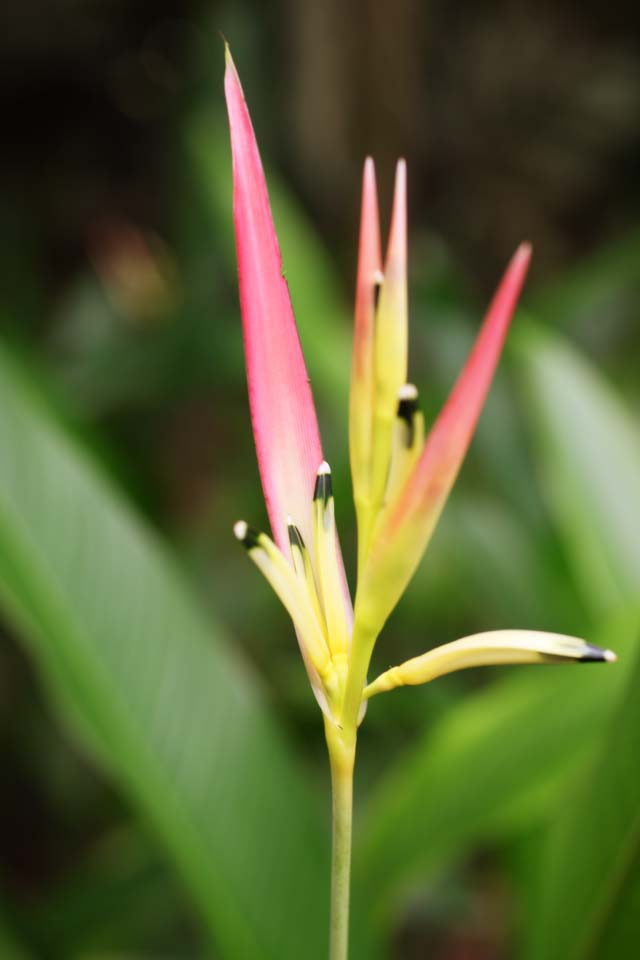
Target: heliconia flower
x: 400, y: 480
x: 304, y: 565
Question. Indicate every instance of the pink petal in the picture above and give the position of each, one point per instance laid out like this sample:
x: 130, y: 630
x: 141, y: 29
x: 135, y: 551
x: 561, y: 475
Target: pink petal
x: 282, y: 411
x: 404, y: 533
x: 362, y: 373
x: 449, y: 438
x: 369, y: 264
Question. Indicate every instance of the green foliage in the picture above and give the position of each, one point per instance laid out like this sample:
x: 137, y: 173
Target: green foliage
x: 90, y: 909
x: 536, y: 765
x: 590, y: 469
x: 466, y: 780
x: 10, y: 949
x: 589, y: 893
x: 588, y: 875
x: 154, y: 690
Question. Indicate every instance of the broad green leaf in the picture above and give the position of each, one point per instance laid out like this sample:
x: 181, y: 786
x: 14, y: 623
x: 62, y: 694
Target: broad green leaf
x: 590, y: 881
x: 491, y: 765
x: 174, y: 716
x: 590, y: 451
x: 620, y: 935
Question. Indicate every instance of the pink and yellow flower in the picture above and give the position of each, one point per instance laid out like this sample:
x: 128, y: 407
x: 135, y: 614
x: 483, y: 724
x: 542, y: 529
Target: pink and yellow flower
x: 401, y: 481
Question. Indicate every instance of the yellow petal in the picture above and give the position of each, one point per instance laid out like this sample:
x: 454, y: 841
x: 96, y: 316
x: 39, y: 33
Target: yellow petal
x: 391, y: 341
x: 485, y: 649
x: 329, y: 574
x: 304, y: 570
x: 407, y: 440
x: 403, y: 532
x: 293, y: 595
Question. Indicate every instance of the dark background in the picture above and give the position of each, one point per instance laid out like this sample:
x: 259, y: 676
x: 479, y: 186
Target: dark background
x: 518, y: 120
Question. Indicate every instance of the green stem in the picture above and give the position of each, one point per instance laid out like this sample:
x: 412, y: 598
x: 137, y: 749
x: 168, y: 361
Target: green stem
x: 342, y: 750
x: 362, y: 644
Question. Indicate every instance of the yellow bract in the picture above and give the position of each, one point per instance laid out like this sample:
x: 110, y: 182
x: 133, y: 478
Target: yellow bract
x: 390, y: 351
x: 329, y: 574
x: 485, y: 649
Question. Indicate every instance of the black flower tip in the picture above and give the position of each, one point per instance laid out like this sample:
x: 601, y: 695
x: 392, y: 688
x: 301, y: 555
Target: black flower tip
x: 323, y: 490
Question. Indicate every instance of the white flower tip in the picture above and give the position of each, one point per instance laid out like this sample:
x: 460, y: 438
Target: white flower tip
x: 248, y: 537
x: 322, y: 490
x: 408, y: 391
x: 609, y: 656
x: 524, y: 252
x: 240, y: 530
x: 378, y: 278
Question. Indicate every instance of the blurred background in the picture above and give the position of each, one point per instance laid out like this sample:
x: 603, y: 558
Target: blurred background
x: 120, y: 328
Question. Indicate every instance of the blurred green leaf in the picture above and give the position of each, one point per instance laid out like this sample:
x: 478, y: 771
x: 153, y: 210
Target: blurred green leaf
x: 589, y: 890
x: 10, y: 949
x: 155, y: 690
x: 491, y: 765
x: 605, y: 284
x: 621, y: 934
x: 122, y: 895
x: 590, y: 455
x: 498, y: 451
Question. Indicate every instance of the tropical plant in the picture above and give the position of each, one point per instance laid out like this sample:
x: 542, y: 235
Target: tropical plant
x: 401, y: 481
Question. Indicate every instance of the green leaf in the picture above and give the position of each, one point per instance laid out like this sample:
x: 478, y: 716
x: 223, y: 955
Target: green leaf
x: 604, y: 285
x: 490, y: 766
x: 621, y: 932
x: 590, y: 880
x: 10, y: 949
x: 118, y: 896
x: 157, y: 692
x: 590, y: 452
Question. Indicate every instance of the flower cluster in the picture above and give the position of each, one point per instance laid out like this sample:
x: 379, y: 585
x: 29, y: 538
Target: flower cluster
x: 401, y: 480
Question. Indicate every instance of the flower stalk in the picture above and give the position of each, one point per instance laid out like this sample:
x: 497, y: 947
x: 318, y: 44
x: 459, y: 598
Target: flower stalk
x: 401, y: 479
x: 342, y: 752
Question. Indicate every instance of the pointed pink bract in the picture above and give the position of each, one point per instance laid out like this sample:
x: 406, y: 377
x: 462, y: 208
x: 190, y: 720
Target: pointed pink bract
x: 404, y: 532
x: 449, y: 438
x: 369, y: 270
x: 361, y: 397
x: 395, y: 264
x: 282, y: 411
